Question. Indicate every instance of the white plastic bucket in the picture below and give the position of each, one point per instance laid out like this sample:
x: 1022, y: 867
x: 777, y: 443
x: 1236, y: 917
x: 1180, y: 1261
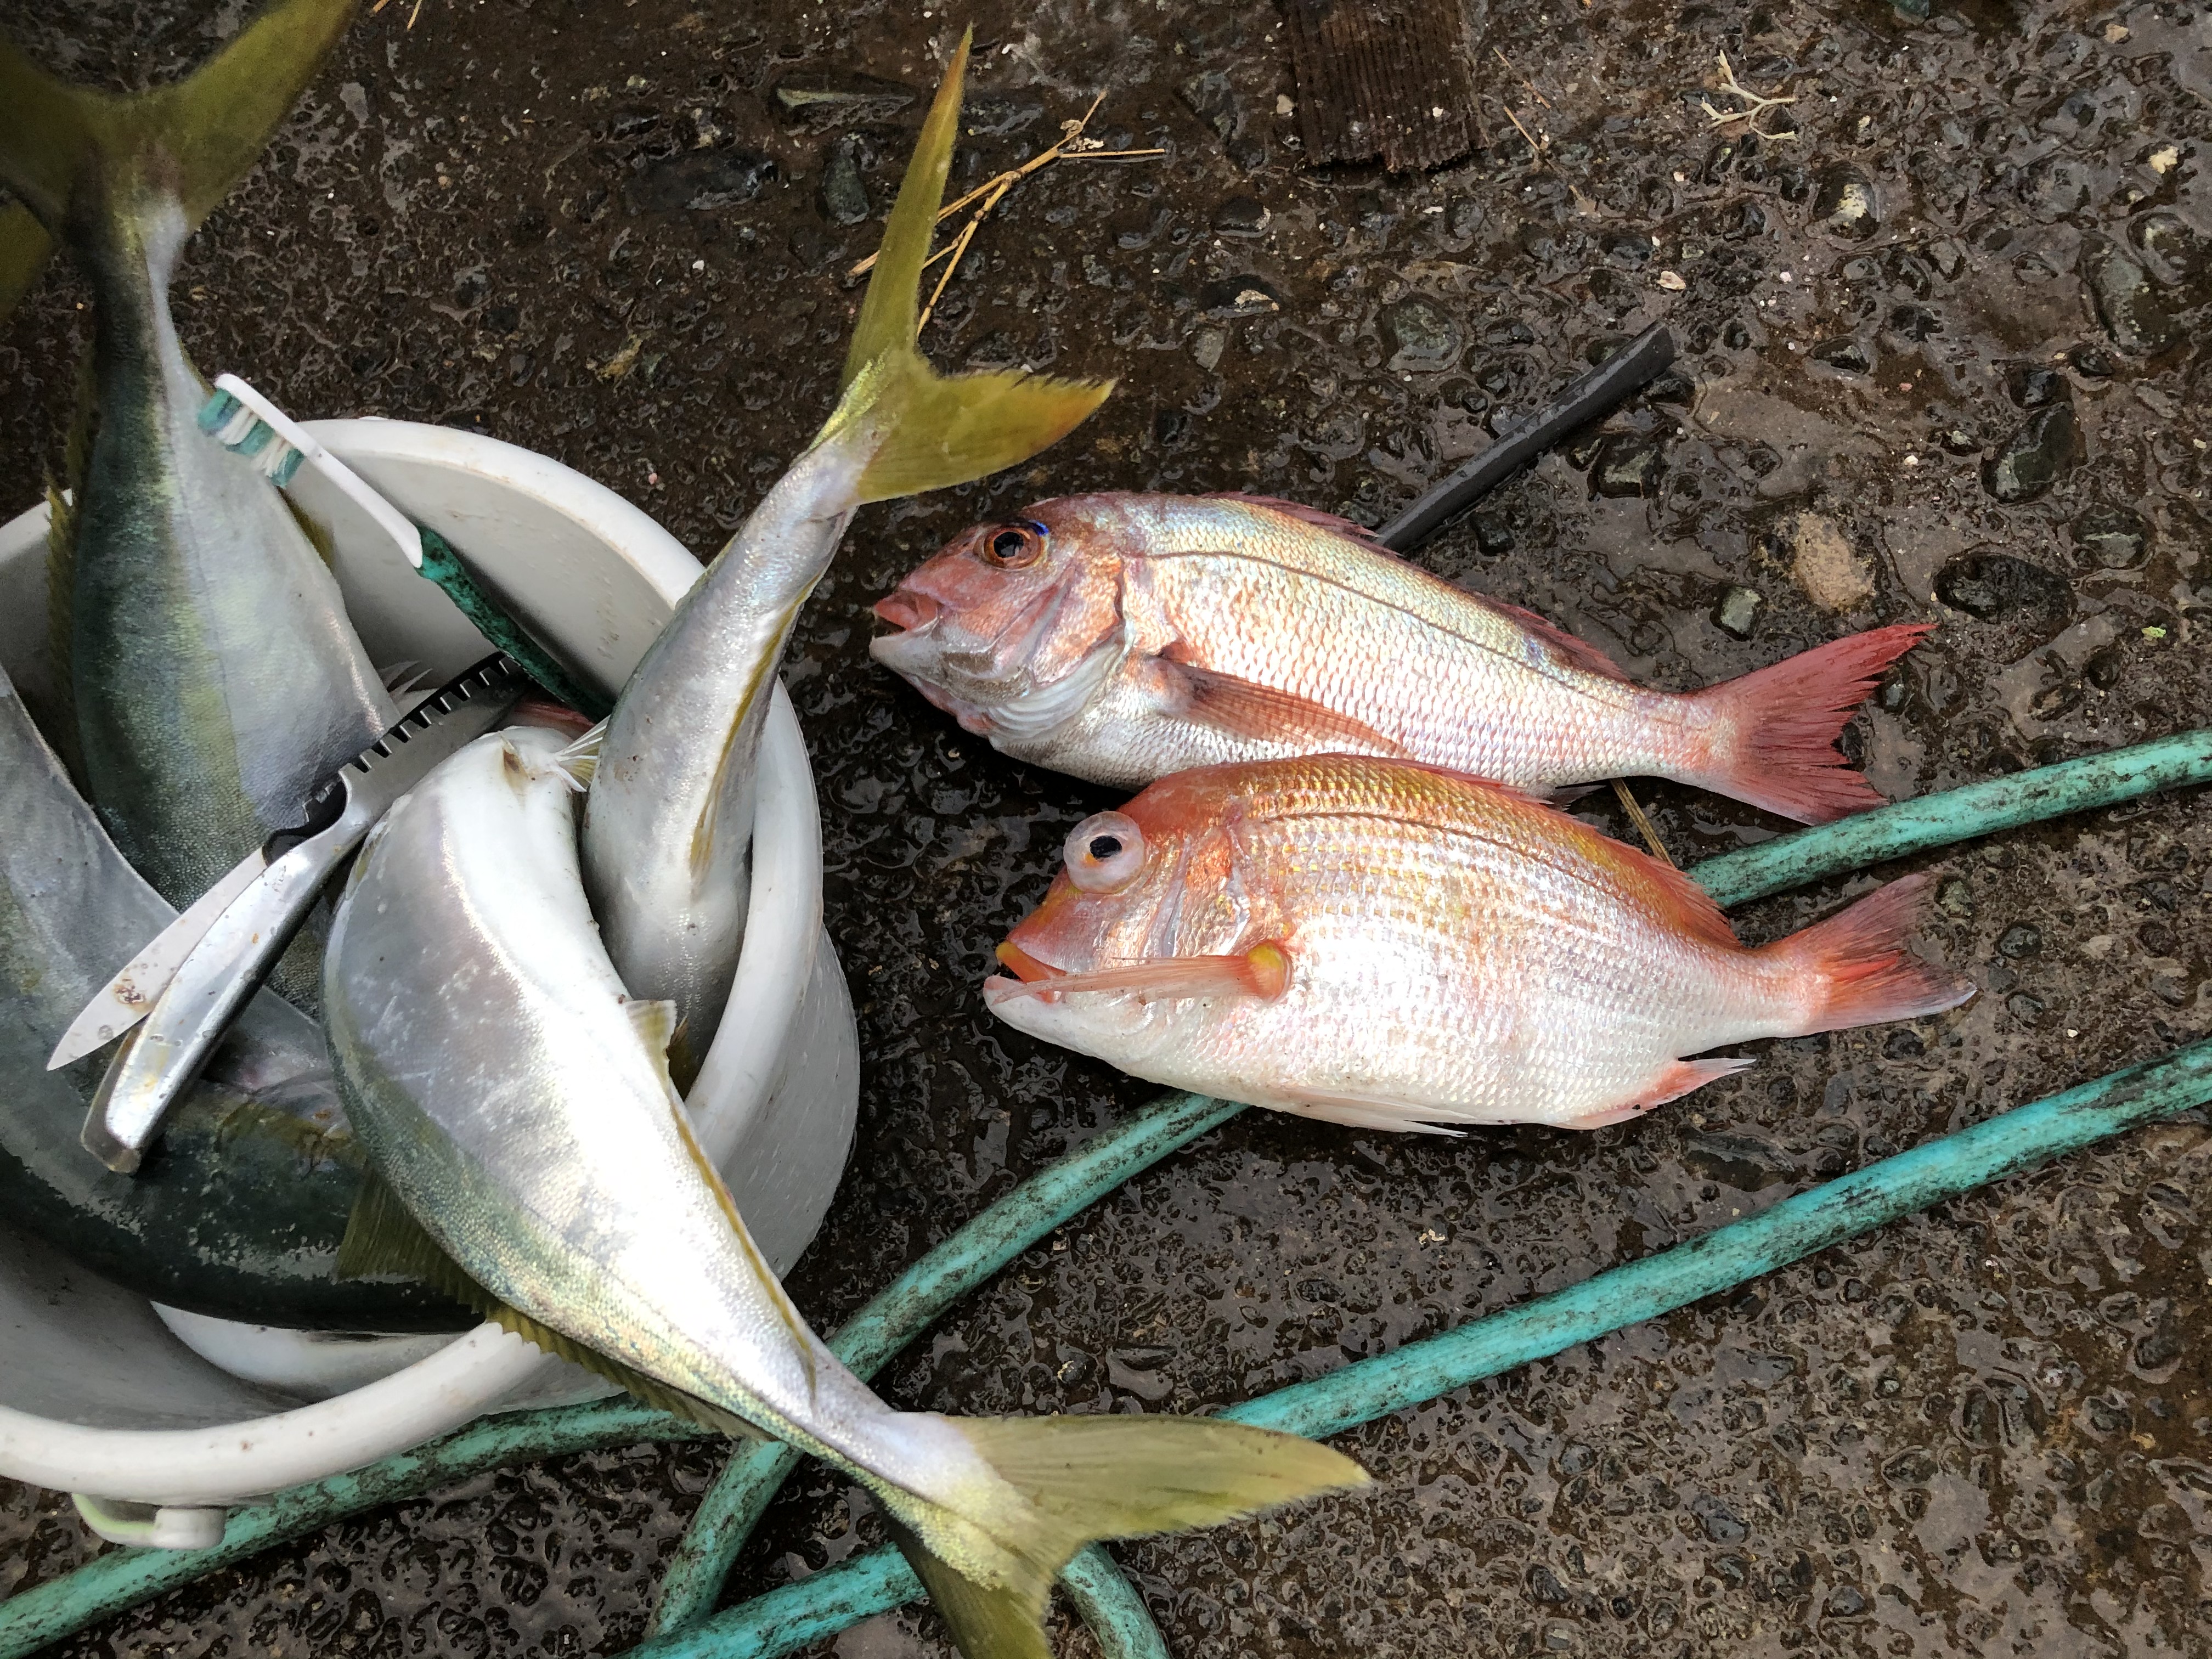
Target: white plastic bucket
x: 158, y: 1419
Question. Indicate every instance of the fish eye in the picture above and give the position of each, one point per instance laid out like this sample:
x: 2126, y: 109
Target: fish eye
x: 1105, y: 852
x: 1016, y: 545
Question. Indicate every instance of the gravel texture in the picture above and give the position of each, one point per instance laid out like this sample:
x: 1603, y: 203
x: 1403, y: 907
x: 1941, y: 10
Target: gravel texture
x: 1942, y: 357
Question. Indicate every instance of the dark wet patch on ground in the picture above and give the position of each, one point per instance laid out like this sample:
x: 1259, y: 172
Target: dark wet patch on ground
x: 1942, y: 360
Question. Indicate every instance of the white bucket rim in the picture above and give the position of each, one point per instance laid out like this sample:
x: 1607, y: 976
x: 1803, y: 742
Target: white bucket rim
x: 225, y: 1463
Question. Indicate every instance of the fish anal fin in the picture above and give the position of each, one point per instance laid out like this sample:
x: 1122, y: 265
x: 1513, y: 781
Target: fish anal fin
x: 382, y: 1237
x: 1581, y: 652
x: 1265, y: 714
x: 1676, y: 1078
x: 1335, y: 524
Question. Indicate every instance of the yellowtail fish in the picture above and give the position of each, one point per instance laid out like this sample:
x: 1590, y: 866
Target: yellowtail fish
x: 1123, y: 637
x: 517, y: 1099
x: 669, y: 822
x: 214, y: 674
x: 1394, y: 946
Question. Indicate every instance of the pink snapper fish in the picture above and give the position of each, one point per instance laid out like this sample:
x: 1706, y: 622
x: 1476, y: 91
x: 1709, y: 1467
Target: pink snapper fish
x: 1394, y: 946
x: 1124, y: 637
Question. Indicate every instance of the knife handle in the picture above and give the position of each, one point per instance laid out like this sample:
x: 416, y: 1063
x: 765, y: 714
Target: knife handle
x: 161, y: 1059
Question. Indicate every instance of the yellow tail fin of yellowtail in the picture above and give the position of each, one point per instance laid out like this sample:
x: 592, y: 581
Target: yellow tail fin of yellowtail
x: 938, y: 430
x: 1081, y: 1479
x: 190, y: 141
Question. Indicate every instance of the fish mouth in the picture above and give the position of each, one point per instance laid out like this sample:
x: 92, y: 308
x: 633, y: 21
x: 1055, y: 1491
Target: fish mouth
x: 1027, y: 971
x: 908, y: 611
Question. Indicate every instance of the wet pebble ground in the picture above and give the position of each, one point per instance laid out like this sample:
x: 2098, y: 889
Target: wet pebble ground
x: 1942, y: 323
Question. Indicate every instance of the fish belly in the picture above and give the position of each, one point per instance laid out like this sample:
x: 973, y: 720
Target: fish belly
x: 1440, y: 985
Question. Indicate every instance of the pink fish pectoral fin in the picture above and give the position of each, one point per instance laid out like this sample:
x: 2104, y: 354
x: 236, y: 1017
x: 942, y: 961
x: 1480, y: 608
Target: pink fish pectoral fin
x: 1263, y: 971
x: 1262, y: 713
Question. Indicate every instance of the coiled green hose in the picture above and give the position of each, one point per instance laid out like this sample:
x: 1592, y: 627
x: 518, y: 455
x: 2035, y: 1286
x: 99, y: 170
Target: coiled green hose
x: 804, y: 1612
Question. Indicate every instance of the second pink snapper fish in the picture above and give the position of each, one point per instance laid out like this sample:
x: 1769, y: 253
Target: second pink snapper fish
x: 1393, y: 946
x: 1123, y: 637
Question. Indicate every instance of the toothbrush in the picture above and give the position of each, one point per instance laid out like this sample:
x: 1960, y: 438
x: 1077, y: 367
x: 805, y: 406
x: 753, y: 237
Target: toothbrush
x: 246, y: 423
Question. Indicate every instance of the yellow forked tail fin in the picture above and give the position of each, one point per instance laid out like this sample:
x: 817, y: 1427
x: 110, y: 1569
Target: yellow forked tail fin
x: 192, y: 140
x: 938, y: 431
x: 1080, y: 1479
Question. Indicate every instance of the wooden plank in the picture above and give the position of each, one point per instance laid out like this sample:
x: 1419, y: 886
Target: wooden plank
x: 1387, y: 78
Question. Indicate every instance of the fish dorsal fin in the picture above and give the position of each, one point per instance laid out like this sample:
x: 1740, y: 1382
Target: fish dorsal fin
x: 938, y: 431
x: 1581, y: 652
x: 1245, y: 708
x: 1673, y: 895
x: 210, y: 127
x: 383, y: 1237
x: 1335, y: 524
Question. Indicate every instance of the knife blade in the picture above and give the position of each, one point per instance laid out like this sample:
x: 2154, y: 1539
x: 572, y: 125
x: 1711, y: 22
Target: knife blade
x: 122, y: 1002
x: 225, y: 966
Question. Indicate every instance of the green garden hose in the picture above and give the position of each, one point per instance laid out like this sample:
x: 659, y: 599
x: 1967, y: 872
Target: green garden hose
x: 803, y: 1612
x: 823, y: 1603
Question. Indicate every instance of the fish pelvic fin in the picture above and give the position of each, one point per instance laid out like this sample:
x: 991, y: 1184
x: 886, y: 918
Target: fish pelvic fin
x: 383, y: 1238
x: 1773, y: 731
x: 930, y: 431
x: 192, y: 139
x: 1854, y: 969
x: 1064, y: 1481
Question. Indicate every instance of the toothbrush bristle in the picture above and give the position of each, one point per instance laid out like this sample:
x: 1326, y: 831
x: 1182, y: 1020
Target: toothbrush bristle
x: 218, y: 411
x: 281, y: 462
x: 257, y: 438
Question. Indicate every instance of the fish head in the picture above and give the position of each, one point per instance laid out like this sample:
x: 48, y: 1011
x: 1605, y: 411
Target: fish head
x: 1015, y: 624
x: 1152, y: 917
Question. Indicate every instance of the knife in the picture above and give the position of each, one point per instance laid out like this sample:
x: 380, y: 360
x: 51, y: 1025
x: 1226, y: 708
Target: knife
x: 122, y: 1002
x: 214, y: 975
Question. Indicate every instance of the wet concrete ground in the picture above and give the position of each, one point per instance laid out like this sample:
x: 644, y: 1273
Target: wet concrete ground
x: 1942, y: 359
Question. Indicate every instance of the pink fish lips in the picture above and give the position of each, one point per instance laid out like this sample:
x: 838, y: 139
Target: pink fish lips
x: 1394, y: 946
x: 1124, y: 637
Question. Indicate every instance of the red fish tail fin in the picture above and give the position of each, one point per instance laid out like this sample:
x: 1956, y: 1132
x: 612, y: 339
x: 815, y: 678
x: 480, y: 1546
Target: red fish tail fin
x: 1773, y: 732
x: 1854, y: 968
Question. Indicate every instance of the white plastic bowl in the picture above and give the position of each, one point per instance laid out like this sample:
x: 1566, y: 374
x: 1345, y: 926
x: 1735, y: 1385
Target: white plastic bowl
x: 159, y: 1418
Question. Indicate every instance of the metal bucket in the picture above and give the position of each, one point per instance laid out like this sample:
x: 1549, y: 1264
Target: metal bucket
x: 159, y: 1419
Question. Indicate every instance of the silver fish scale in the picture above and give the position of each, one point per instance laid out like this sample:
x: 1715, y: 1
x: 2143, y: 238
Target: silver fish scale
x: 518, y: 1111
